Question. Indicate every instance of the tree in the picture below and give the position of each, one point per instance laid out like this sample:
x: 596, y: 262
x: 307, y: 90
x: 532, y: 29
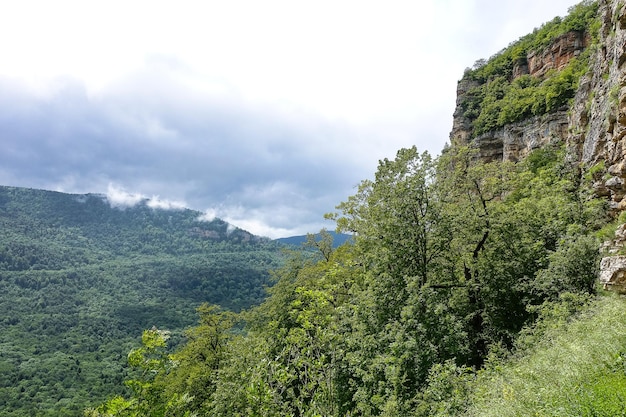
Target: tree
x: 397, y: 220
x: 290, y: 361
x: 148, y: 394
x: 196, y: 364
x: 403, y: 318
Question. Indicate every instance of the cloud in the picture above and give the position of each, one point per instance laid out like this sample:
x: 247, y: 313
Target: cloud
x: 262, y: 119
x: 156, y: 202
x: 118, y: 197
x: 285, y: 168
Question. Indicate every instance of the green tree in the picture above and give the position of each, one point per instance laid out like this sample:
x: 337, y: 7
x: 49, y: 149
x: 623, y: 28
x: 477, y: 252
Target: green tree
x: 403, y: 320
x: 195, y: 366
x: 290, y: 362
x: 148, y: 394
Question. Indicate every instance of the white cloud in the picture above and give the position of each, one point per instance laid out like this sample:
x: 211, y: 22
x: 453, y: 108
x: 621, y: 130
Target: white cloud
x: 278, y: 221
x: 268, y: 112
x: 157, y: 203
x: 118, y: 197
x: 208, y: 216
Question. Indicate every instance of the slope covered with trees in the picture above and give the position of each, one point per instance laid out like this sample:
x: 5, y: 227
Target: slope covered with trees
x: 469, y: 287
x: 452, y: 260
x: 80, y: 280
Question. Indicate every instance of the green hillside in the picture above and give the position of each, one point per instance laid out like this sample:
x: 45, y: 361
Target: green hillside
x: 297, y: 241
x: 457, y: 268
x: 80, y: 280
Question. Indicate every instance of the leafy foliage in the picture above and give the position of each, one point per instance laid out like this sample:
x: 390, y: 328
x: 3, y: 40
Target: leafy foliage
x: 497, y: 98
x: 463, y: 289
x: 453, y: 263
x: 80, y: 280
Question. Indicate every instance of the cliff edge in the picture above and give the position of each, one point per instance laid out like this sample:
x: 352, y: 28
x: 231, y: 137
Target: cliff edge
x: 564, y: 83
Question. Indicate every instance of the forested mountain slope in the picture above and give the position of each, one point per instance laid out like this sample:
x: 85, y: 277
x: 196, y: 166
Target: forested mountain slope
x: 338, y: 239
x: 471, y: 274
x: 80, y: 280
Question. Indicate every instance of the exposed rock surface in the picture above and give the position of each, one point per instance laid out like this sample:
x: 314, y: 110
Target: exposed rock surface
x: 593, y: 128
x: 613, y: 273
x: 558, y: 55
x: 516, y: 140
x: 597, y: 125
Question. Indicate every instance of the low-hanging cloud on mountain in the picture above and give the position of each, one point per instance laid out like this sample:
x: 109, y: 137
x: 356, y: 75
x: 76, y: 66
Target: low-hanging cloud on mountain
x: 270, y: 170
x: 267, y: 115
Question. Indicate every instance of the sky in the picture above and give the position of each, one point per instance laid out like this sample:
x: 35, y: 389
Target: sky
x: 266, y: 114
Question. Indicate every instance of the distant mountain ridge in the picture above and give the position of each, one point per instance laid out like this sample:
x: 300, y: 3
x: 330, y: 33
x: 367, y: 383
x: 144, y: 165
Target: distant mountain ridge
x: 338, y: 239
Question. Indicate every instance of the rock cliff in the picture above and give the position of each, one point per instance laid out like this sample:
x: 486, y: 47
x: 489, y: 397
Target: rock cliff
x: 597, y: 123
x: 592, y: 125
x: 556, y: 56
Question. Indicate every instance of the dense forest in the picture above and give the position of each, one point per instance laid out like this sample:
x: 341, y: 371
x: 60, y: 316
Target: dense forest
x: 80, y: 280
x: 457, y: 271
x: 469, y: 289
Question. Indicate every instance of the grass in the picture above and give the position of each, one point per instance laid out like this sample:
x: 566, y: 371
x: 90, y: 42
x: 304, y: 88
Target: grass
x: 575, y: 369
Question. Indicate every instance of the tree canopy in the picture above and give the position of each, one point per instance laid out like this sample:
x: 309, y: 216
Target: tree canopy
x: 451, y: 261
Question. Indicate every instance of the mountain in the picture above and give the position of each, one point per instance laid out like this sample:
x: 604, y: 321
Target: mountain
x: 472, y: 284
x: 81, y: 279
x: 338, y: 239
x: 564, y: 84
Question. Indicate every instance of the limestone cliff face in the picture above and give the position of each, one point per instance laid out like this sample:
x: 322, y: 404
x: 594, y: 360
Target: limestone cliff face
x: 593, y: 127
x: 514, y: 141
x: 597, y: 124
x: 557, y: 55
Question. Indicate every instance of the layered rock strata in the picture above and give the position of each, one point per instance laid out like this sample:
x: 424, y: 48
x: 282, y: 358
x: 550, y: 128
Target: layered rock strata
x: 593, y: 127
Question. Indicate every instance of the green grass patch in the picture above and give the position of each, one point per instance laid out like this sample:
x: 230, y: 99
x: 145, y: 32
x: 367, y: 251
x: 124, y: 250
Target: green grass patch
x: 575, y: 369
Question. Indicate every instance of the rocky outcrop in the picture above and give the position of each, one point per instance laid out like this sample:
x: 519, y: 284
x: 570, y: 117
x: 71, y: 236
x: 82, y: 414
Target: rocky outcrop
x: 515, y: 141
x: 461, y: 126
x: 613, y: 273
x: 597, y: 123
x: 593, y: 127
x: 558, y: 54
x: 613, y: 267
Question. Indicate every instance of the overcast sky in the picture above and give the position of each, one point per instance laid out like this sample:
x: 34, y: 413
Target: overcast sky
x: 264, y: 113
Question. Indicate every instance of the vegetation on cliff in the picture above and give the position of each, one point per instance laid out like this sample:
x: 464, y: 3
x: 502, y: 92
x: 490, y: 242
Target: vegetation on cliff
x: 451, y: 262
x: 498, y: 96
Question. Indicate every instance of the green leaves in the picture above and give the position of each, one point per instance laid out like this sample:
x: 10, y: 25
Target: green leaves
x: 498, y: 98
x: 452, y: 260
